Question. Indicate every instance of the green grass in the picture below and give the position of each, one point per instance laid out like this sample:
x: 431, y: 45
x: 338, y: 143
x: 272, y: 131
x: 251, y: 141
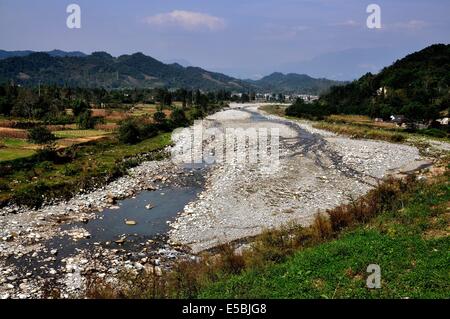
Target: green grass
x: 14, y: 148
x: 358, y: 131
x: 410, y: 245
x: 15, y: 142
x: 79, y: 133
x: 9, y: 154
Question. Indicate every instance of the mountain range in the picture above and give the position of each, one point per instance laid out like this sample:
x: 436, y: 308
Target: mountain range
x: 55, y: 53
x: 100, y: 69
x: 290, y: 83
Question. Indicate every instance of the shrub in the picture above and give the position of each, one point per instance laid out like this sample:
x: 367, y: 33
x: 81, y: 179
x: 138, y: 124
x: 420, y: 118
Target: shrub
x: 178, y: 118
x: 340, y: 218
x: 47, y: 153
x: 159, y: 117
x: 70, y: 170
x: 230, y: 262
x: 307, y: 110
x: 31, y: 195
x: 129, y: 132
x: 40, y: 135
x: 322, y: 227
x: 195, y: 113
x: 148, y: 131
x: 79, y: 106
x: 86, y: 121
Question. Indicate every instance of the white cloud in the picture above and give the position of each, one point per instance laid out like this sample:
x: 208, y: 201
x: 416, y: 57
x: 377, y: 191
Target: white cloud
x: 347, y: 23
x: 412, y: 25
x: 187, y: 20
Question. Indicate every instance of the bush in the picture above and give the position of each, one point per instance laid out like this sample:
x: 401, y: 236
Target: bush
x: 159, y: 117
x: 178, y: 118
x: 47, y: 153
x: 86, y: 121
x: 40, y: 135
x: 79, y: 106
x: 307, y: 110
x: 129, y: 132
x: 32, y: 195
x: 195, y: 113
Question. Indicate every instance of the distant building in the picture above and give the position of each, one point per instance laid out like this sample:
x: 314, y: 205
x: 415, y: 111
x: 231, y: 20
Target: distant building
x: 398, y: 119
x: 443, y: 121
x: 382, y: 90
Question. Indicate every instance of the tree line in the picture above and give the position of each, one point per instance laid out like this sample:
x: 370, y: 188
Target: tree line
x: 49, y: 103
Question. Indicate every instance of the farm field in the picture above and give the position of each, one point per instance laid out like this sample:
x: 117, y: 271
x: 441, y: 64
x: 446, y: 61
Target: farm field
x: 13, y: 148
x: 14, y: 143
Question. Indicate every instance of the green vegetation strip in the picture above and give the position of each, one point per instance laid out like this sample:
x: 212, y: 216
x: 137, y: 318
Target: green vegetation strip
x: 52, y: 174
x: 79, y: 133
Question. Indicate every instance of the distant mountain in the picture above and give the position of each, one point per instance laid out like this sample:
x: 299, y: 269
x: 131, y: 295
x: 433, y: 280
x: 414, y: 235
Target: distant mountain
x: 9, y: 54
x: 348, y: 64
x: 181, y: 62
x: 288, y: 83
x: 58, y: 53
x: 417, y: 86
x: 100, y: 69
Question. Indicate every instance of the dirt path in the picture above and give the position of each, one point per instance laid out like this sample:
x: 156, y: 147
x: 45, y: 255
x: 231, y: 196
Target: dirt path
x: 317, y: 170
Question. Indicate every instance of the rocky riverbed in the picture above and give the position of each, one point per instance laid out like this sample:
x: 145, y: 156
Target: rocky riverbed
x: 95, y: 234
x: 52, y: 251
x: 317, y: 170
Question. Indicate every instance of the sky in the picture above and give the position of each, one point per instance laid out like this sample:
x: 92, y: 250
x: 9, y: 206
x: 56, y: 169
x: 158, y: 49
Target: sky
x: 245, y: 38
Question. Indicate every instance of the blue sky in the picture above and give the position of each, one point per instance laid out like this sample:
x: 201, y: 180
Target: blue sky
x: 245, y: 38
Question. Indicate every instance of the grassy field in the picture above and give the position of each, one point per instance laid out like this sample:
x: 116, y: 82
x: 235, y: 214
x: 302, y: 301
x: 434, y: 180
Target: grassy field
x: 357, y: 131
x: 11, y: 153
x: 409, y: 244
x: 79, y: 133
x: 358, y: 126
x: 13, y: 148
x: 149, y: 109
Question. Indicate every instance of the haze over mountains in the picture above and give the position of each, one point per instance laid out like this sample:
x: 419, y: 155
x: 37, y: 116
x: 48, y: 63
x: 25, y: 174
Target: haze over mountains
x: 100, y: 69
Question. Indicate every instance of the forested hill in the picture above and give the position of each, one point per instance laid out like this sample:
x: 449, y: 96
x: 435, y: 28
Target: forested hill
x: 101, y: 70
x: 292, y: 83
x: 417, y: 86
